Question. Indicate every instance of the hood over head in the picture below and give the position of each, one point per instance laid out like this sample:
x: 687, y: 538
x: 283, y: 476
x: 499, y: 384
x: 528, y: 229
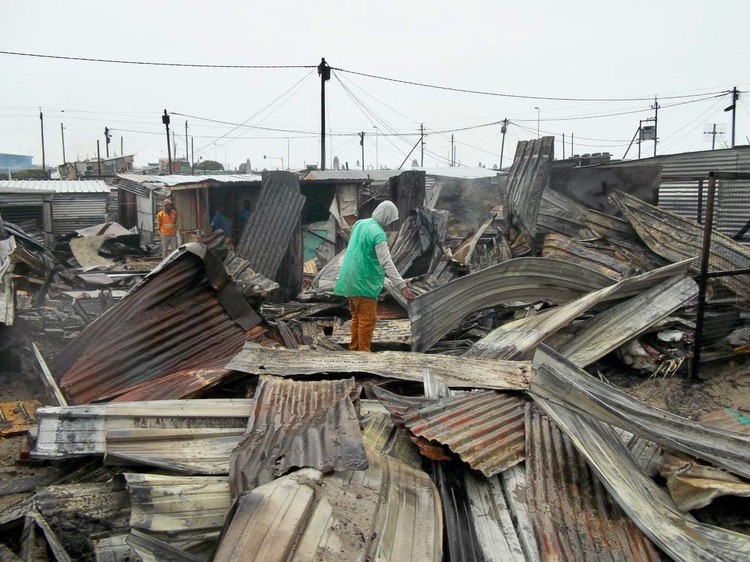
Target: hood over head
x: 385, y: 213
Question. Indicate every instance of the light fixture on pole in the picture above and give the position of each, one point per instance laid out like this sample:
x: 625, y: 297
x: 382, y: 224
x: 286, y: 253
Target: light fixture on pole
x: 274, y: 158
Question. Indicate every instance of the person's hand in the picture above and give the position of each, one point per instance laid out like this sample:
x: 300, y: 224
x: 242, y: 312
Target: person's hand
x: 407, y: 294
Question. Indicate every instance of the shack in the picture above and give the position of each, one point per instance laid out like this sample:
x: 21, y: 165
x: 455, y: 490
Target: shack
x: 30, y: 209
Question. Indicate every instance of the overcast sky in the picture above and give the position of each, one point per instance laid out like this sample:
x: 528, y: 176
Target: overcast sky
x: 551, y: 49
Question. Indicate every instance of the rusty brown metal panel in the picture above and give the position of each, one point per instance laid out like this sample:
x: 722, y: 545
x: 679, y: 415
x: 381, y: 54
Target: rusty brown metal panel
x: 272, y: 223
x: 573, y: 514
x: 298, y: 424
x: 18, y: 416
x: 174, y: 320
x: 486, y: 429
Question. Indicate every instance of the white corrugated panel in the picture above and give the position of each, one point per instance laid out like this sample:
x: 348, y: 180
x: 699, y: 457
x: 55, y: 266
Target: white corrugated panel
x: 57, y: 186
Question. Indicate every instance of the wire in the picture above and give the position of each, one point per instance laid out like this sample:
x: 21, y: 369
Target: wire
x: 147, y: 63
x: 515, y: 96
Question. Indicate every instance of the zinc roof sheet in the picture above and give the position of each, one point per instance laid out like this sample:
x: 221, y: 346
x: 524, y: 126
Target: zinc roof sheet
x: 56, y: 186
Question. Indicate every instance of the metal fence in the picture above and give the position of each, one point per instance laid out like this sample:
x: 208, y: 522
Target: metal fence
x: 721, y: 203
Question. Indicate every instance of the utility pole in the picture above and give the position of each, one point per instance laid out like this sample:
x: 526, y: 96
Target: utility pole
x: 107, y: 136
x: 165, y: 120
x: 453, y: 152
x: 192, y: 155
x: 98, y: 159
x: 325, y: 74
x: 62, y: 134
x: 421, y: 141
x: 733, y: 109
x: 503, y: 130
x: 538, y: 119
x: 186, y: 141
x: 563, y: 143
x: 41, y: 125
x: 655, y: 107
x: 362, y: 144
x: 122, y: 150
x: 571, y: 145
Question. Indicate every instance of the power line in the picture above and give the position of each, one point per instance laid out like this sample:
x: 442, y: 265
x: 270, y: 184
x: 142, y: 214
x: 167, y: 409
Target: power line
x: 514, y: 96
x: 149, y: 63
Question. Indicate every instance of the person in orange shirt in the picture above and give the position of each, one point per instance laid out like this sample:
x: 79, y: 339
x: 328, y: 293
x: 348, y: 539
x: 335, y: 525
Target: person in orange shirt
x: 166, y: 220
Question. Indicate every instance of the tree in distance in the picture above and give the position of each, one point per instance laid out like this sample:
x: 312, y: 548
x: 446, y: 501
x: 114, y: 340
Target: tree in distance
x: 209, y: 165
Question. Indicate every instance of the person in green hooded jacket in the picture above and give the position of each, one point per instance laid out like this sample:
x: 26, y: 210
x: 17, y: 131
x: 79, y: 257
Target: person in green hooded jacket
x: 366, y: 264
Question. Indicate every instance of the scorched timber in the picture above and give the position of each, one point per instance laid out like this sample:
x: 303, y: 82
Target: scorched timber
x: 457, y: 372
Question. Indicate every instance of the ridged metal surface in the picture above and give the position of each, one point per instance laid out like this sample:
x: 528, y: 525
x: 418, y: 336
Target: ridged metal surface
x: 676, y: 238
x: 697, y: 163
x: 174, y: 180
x: 486, y: 428
x: 381, y: 434
x: 457, y: 372
x: 388, y: 512
x: 528, y: 177
x: 57, y: 186
x: 267, y: 234
x: 173, y: 320
x: 728, y: 419
x: 435, y: 313
x: 72, y: 211
x: 421, y: 231
x: 567, y: 249
x: 298, y: 424
x: 574, y: 516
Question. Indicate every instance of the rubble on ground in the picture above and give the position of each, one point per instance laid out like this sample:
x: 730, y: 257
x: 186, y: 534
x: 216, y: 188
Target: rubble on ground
x: 189, y: 414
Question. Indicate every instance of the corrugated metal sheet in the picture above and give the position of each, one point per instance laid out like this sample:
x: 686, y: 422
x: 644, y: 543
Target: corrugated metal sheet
x: 528, y: 177
x: 82, y: 430
x: 435, y: 313
x: 173, y: 320
x: 574, y: 516
x: 76, y: 210
x: 176, y: 180
x: 567, y: 249
x: 421, y: 232
x: 57, y: 186
x: 388, y: 512
x: 298, y: 424
x: 486, y: 428
x: 376, y: 176
x: 272, y: 223
x: 518, y: 338
x: 676, y: 238
x: 558, y: 380
x: 457, y: 372
x: 382, y: 435
x: 610, y: 329
x: 698, y: 163
x: 728, y: 419
x: 678, y: 534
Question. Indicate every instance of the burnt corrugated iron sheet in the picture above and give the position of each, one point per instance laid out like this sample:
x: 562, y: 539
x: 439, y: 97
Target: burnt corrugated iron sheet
x: 728, y: 419
x: 390, y: 511
x: 676, y: 238
x: 574, y: 516
x: 435, y: 313
x: 528, y: 177
x: 486, y: 428
x: 267, y: 234
x: 564, y: 248
x: 421, y: 231
x: 185, y: 314
x: 649, y: 506
x: 381, y: 434
x: 298, y: 424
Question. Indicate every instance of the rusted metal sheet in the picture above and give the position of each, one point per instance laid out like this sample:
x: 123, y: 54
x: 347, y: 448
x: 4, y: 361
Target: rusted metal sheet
x: 187, y: 512
x: 388, y: 512
x: 563, y: 248
x: 574, y: 516
x: 517, y: 339
x: 559, y: 381
x: 528, y: 177
x: 728, y: 419
x: 457, y: 372
x: 678, y: 534
x: 398, y: 404
x: 18, y: 416
x: 435, y: 313
x: 622, y: 322
x: 82, y: 430
x: 382, y: 435
x: 298, y: 424
x: 386, y: 331
x: 185, y: 314
x: 676, y: 238
x: 274, y: 218
x: 486, y: 428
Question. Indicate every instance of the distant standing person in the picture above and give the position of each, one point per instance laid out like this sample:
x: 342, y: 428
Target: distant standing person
x: 244, y: 216
x: 222, y: 222
x: 366, y: 264
x: 166, y: 220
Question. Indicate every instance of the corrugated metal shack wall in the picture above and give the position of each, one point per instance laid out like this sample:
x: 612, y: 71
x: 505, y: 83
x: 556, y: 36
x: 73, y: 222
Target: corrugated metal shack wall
x: 29, y: 211
x: 113, y: 205
x: 290, y: 270
x: 71, y: 211
x: 407, y: 191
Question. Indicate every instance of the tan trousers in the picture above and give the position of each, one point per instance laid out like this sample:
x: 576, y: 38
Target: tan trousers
x: 364, y: 315
x: 168, y: 241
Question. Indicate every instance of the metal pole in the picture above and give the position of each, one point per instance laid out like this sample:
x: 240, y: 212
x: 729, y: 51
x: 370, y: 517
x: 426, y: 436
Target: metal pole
x: 421, y: 139
x: 563, y: 143
x: 655, y: 107
x: 165, y: 120
x: 41, y: 125
x: 186, y: 141
x: 703, y: 276
x: 713, y: 138
x: 700, y: 201
x: 106, y: 140
x: 98, y: 159
x: 325, y: 74
x: 362, y: 144
x: 571, y: 145
x: 453, y: 154
x: 192, y: 155
x: 62, y: 134
x: 640, y: 127
x: 503, y: 130
x: 122, y: 151
x: 735, y: 95
x: 538, y: 119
